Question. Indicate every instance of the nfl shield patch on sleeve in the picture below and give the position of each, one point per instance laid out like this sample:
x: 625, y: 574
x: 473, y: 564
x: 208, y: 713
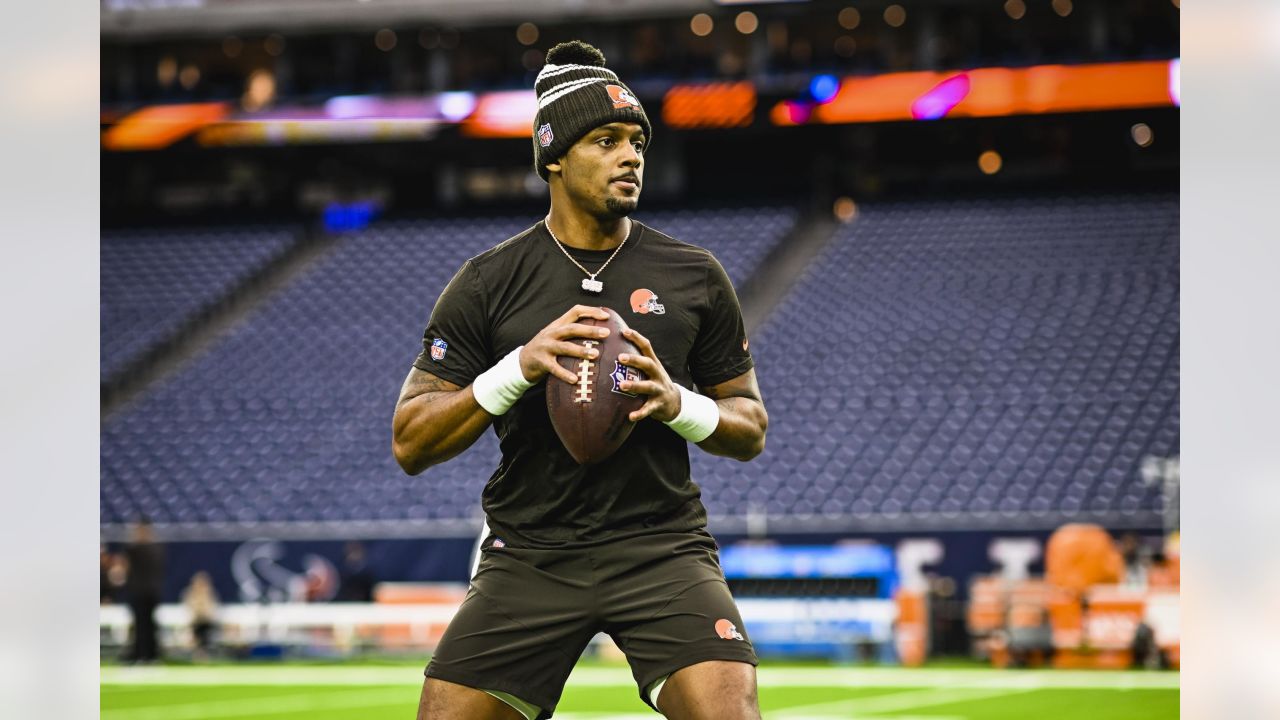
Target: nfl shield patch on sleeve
x: 438, y: 349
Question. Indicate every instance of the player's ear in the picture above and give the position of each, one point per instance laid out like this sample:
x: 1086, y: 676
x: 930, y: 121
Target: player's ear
x: 554, y: 167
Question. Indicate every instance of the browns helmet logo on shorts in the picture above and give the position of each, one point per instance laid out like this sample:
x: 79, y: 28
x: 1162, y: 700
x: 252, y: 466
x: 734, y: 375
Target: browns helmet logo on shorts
x: 622, y: 97
x: 727, y: 630
x: 645, y: 301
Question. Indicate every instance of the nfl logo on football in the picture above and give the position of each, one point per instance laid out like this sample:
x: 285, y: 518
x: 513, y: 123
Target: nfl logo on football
x: 438, y: 349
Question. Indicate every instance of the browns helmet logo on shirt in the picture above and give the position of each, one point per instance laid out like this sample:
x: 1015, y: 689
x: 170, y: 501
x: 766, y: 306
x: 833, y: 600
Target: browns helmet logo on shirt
x: 645, y: 301
x: 727, y: 630
x: 622, y: 97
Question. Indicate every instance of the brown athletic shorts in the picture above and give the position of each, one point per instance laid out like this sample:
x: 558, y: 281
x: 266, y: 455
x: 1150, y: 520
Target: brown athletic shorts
x: 530, y: 613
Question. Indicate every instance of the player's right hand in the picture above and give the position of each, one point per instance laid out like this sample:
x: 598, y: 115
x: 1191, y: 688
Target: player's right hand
x: 539, y: 356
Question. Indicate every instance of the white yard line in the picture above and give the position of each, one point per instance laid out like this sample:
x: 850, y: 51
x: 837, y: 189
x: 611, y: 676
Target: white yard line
x: 621, y: 676
x: 263, y: 706
x: 877, y: 705
x: 845, y: 716
x: 261, y: 675
x: 651, y: 715
x: 980, y: 678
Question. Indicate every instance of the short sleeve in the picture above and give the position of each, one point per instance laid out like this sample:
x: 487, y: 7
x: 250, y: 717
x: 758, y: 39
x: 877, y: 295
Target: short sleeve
x: 455, y: 345
x: 720, y: 349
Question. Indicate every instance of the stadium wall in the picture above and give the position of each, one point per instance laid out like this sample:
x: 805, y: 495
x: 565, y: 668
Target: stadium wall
x: 263, y: 569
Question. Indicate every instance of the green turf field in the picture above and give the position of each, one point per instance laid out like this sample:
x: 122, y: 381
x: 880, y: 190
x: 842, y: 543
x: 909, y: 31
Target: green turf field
x: 599, y: 691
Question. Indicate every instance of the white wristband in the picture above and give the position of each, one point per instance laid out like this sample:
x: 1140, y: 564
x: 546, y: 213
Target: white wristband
x: 499, y: 387
x: 698, y: 418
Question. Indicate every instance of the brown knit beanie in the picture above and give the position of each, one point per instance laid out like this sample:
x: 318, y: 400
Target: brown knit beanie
x: 576, y: 94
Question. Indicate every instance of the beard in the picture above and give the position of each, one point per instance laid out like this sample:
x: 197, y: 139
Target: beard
x: 621, y: 207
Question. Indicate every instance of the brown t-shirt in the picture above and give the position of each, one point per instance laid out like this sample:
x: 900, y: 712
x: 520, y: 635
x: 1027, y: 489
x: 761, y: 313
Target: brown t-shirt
x: 675, y: 294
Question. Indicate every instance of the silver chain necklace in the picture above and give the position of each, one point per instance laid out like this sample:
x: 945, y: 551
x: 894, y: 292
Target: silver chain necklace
x: 589, y: 283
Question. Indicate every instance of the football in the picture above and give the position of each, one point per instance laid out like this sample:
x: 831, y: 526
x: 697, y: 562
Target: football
x: 590, y: 416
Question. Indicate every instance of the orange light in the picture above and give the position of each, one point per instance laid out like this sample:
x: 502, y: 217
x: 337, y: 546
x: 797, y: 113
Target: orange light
x: 166, y: 71
x: 1062, y: 7
x: 160, y: 126
x: 849, y: 18
x: 1142, y: 135
x: 845, y: 209
x: 701, y: 25
x: 385, y: 39
x: 189, y: 76
x: 259, y: 91
x: 508, y: 114
x: 990, y: 162
x: 710, y: 105
x: 746, y: 22
x: 895, y: 15
x: 875, y: 98
x: 1015, y: 9
x: 998, y: 92
x: 527, y: 33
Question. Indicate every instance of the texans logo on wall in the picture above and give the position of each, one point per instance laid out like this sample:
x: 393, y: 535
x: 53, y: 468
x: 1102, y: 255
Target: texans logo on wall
x: 259, y: 571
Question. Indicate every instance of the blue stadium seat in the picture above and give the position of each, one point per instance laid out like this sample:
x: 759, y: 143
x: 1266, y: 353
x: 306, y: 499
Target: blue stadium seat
x: 287, y: 418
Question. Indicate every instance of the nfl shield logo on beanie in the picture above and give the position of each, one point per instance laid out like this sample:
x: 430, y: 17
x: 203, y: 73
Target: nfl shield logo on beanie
x: 545, y: 136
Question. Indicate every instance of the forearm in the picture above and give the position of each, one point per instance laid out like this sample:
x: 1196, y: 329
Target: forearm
x: 741, y: 430
x: 433, y: 427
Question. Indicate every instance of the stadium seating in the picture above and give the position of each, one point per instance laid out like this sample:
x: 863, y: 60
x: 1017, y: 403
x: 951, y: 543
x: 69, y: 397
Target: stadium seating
x: 939, y: 360
x: 975, y: 359
x: 288, y: 417
x: 154, y: 282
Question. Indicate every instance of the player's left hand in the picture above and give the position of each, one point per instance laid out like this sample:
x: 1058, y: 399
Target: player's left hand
x: 664, y: 399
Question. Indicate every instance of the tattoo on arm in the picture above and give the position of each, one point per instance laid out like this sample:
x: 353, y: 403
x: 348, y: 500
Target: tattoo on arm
x: 718, y: 393
x: 420, y: 382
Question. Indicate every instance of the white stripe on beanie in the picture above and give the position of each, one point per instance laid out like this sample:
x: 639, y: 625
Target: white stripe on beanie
x: 563, y: 89
x: 550, y: 70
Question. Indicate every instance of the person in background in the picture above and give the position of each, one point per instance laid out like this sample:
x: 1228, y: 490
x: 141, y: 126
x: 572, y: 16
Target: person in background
x: 201, y: 601
x: 143, y: 584
x: 104, y: 575
x: 1135, y: 561
x: 357, y: 578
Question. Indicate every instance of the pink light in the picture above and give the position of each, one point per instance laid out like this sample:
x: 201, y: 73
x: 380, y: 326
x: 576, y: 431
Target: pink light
x: 941, y: 98
x: 799, y: 112
x: 1175, y: 81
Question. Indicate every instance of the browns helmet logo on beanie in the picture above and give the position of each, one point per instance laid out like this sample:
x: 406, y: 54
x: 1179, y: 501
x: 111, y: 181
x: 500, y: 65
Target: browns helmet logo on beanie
x: 576, y: 94
x: 621, y: 96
